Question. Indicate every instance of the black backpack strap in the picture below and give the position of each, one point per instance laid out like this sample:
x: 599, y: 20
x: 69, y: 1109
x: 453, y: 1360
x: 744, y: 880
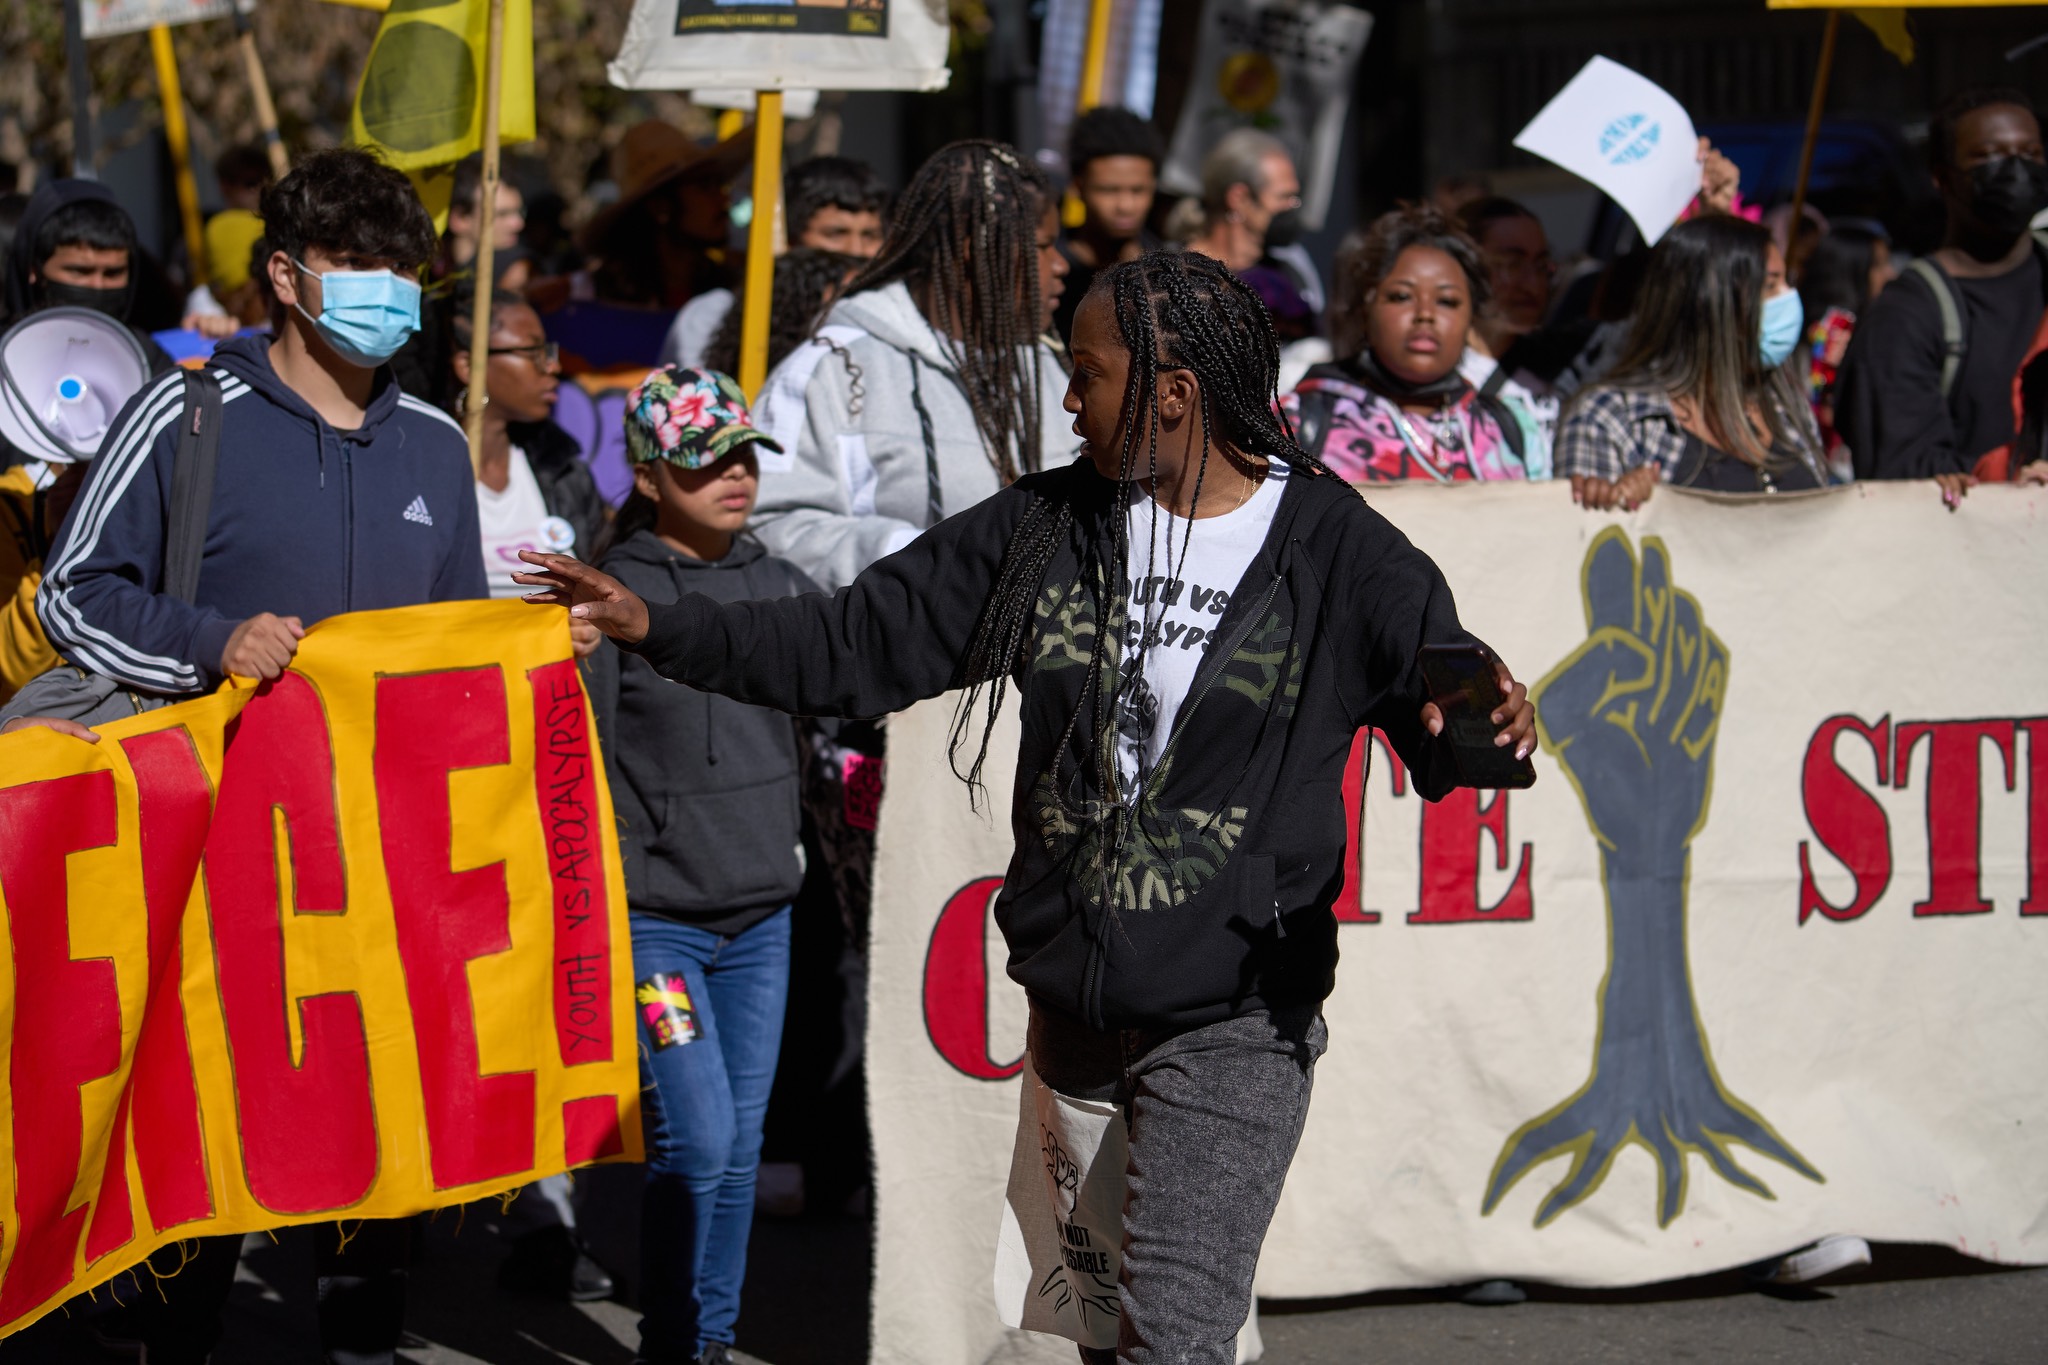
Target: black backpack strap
x: 1495, y: 382
x: 1312, y: 426
x: 192, y: 485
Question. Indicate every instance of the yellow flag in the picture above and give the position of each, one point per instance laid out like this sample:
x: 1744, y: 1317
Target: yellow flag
x: 421, y: 100
x: 1890, y: 27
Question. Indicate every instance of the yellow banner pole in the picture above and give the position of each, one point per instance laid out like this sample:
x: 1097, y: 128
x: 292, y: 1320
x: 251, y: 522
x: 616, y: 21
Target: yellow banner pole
x: 180, y: 142
x: 1094, y: 61
x: 486, y: 246
x: 1096, y: 58
x: 259, y: 92
x: 753, y: 373
x: 1813, y: 113
x: 730, y: 121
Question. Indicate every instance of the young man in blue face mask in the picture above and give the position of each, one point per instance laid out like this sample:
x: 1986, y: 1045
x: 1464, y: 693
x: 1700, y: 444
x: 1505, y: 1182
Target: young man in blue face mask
x: 334, y: 492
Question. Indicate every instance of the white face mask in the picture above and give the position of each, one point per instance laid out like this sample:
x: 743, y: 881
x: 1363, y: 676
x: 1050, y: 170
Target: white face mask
x: 1784, y: 317
x: 365, y: 315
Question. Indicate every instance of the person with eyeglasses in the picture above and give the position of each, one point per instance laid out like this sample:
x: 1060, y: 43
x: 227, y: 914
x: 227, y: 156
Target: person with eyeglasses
x: 1502, y: 355
x: 533, y: 489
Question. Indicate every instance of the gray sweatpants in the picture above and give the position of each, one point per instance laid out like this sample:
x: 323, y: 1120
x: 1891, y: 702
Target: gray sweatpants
x: 1214, y: 1114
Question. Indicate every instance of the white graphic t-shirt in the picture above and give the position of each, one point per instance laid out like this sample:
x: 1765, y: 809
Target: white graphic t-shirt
x: 511, y: 521
x: 1176, y: 603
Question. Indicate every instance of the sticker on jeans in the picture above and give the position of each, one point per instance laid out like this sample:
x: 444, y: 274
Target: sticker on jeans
x: 665, y: 1008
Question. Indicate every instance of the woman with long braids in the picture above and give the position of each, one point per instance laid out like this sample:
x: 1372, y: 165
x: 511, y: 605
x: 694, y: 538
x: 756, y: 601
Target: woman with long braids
x: 1198, y: 619
x: 927, y: 388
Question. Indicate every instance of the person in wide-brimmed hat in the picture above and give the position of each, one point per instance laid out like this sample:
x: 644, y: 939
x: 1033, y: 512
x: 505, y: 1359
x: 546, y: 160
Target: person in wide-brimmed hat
x: 673, y: 209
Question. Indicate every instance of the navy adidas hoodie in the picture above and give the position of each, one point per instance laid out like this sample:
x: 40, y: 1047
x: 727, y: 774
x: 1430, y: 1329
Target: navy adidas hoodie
x: 306, y: 521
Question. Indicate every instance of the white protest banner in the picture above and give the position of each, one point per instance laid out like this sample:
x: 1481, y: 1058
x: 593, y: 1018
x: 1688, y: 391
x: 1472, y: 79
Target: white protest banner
x: 1757, y: 960
x: 794, y: 44
x: 1281, y: 66
x: 106, y: 18
x: 1624, y: 133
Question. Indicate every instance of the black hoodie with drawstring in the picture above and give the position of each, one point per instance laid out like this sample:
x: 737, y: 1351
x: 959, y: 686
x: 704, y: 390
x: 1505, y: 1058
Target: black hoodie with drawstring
x: 1206, y: 893
x: 705, y: 789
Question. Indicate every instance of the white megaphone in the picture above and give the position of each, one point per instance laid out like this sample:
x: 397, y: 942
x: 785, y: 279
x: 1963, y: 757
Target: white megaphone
x: 64, y: 374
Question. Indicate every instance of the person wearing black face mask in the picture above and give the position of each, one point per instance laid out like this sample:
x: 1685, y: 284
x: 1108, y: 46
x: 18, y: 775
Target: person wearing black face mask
x: 1250, y: 219
x: 74, y: 247
x: 1925, y: 390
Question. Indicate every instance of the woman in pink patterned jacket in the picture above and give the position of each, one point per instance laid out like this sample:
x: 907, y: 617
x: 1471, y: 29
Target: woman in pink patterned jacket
x: 1396, y: 406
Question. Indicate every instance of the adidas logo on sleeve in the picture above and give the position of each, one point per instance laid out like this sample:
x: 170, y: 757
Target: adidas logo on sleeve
x: 417, y: 511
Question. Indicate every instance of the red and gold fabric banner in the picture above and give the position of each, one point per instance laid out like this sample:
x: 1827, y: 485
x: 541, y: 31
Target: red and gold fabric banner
x: 351, y: 944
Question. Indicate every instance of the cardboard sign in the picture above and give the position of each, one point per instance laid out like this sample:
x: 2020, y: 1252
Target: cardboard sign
x: 106, y: 18
x: 794, y: 44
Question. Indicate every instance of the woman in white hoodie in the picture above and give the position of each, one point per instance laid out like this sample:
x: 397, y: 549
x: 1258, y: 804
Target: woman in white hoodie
x: 927, y: 388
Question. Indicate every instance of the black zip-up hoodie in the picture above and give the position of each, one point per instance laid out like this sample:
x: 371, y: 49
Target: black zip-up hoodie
x: 705, y: 788
x: 1220, y: 897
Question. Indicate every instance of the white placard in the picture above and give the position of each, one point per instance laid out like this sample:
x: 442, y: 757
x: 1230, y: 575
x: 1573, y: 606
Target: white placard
x: 725, y: 45
x: 1627, y: 135
x: 106, y: 18
x: 1281, y: 66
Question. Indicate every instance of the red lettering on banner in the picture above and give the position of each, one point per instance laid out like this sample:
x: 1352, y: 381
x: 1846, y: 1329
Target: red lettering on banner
x: 1451, y: 832
x: 174, y: 804
x: 67, y: 1023
x: 590, y: 1130
x: 956, y: 983
x: 565, y: 780
x: 429, y: 725
x: 1954, y: 805
x: 1847, y: 820
x: 2036, y: 902
x: 1350, y: 906
x: 309, y: 1129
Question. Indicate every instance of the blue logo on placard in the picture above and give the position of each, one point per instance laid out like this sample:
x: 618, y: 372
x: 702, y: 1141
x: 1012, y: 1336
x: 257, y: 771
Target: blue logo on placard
x: 1628, y: 139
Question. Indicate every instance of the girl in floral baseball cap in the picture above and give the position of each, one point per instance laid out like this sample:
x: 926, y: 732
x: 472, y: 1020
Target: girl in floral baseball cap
x: 692, y: 444
x: 706, y: 791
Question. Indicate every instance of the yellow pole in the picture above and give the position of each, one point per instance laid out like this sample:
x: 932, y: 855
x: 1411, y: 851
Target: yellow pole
x: 761, y: 242
x: 181, y: 146
x: 1096, y: 58
x: 486, y: 246
x: 259, y: 92
x: 1813, y: 113
x: 730, y: 121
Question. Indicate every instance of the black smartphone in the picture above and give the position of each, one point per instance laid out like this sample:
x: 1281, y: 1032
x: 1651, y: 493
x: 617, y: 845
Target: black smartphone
x: 1462, y: 683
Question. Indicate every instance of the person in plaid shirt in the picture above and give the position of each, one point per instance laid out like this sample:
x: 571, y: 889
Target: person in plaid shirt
x: 1705, y: 395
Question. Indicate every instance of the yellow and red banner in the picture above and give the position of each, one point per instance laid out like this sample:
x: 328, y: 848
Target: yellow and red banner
x: 351, y: 944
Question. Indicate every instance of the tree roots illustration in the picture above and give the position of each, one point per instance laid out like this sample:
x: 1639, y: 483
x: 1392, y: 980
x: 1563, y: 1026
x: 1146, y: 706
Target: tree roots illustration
x: 1632, y: 715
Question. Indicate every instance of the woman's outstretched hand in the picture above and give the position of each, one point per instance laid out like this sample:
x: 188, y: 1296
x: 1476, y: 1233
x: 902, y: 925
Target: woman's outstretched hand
x: 1514, y: 719
x: 590, y: 596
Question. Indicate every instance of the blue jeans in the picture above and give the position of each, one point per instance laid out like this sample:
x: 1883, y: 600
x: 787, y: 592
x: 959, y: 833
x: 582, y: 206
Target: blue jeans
x: 706, y: 1067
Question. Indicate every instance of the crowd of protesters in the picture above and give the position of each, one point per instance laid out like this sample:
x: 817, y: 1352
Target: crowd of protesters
x: 966, y: 395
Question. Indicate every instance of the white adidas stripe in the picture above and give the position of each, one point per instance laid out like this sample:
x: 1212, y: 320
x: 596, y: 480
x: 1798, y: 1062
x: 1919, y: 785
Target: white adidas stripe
x: 412, y: 404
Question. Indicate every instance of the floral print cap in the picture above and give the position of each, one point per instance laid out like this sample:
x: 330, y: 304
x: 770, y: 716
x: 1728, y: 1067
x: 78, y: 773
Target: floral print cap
x: 691, y: 418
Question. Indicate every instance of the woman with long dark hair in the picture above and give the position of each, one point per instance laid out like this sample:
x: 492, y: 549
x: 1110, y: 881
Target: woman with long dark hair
x: 1706, y: 393
x: 927, y: 388
x: 1197, y: 619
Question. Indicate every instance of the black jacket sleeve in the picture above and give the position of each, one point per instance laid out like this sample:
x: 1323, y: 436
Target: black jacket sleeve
x: 893, y: 636
x: 1392, y: 602
x: 1888, y: 402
